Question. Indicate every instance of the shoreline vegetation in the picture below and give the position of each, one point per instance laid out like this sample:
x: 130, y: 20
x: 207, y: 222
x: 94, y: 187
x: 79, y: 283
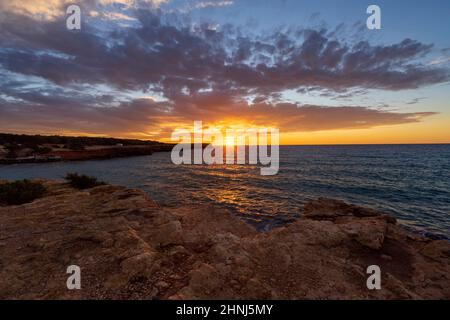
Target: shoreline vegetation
x: 37, y: 148
x: 130, y: 247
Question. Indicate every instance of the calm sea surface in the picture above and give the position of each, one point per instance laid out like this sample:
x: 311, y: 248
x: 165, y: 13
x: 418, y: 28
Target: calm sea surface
x: 412, y: 182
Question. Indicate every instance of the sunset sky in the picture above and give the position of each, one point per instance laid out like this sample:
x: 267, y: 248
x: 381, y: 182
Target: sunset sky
x: 143, y: 69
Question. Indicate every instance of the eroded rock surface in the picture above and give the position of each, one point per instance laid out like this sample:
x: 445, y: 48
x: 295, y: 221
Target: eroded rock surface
x: 128, y: 247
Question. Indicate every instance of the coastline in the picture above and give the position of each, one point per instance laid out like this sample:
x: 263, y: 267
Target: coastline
x: 16, y: 149
x: 129, y: 247
x: 90, y: 154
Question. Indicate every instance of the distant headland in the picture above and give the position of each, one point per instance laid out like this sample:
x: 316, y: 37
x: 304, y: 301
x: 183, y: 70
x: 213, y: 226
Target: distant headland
x: 21, y: 148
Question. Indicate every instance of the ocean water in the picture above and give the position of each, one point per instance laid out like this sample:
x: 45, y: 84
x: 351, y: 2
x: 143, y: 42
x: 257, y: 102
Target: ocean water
x: 411, y: 182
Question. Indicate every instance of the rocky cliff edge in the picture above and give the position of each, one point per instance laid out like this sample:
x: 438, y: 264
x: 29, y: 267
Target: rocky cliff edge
x: 129, y: 247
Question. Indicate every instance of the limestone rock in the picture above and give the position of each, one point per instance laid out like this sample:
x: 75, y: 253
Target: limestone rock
x: 129, y: 247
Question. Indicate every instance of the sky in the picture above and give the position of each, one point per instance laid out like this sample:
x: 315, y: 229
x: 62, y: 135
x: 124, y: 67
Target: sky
x: 146, y: 68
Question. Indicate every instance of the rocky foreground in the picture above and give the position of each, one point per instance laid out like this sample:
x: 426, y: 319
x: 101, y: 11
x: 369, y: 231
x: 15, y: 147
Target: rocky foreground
x: 128, y: 247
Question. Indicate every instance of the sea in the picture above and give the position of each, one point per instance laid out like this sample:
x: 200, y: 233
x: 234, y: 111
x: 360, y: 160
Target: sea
x: 410, y: 182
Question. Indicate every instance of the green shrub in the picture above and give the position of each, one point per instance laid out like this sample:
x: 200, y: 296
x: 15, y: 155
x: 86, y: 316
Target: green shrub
x: 20, y: 192
x: 81, y: 181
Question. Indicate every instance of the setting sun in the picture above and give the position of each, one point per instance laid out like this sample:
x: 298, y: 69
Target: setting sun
x: 229, y: 141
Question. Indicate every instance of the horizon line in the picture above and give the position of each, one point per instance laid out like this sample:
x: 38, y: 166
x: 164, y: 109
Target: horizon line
x: 281, y: 144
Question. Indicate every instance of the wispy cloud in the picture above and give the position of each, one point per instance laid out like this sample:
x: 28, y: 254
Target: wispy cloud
x: 217, y: 3
x: 52, y: 9
x: 439, y: 61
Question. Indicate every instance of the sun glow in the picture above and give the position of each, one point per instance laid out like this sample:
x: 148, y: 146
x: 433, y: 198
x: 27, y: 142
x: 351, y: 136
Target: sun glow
x: 229, y: 141
x: 226, y: 134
